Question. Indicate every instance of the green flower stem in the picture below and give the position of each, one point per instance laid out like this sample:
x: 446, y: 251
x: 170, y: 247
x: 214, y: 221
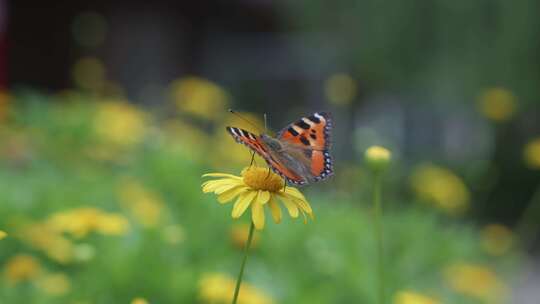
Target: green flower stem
x: 241, y: 274
x: 377, y: 208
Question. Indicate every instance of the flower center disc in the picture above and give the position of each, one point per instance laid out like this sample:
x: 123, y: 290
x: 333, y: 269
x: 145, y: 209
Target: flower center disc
x: 262, y: 179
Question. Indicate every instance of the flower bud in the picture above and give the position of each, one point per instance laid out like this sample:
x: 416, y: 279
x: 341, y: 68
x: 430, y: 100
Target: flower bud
x: 377, y: 158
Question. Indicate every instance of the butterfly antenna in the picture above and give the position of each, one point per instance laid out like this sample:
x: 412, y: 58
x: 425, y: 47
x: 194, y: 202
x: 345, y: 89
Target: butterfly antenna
x: 265, y: 126
x: 246, y: 120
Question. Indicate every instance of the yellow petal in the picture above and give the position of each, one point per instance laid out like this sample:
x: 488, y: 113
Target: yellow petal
x: 290, y: 205
x: 228, y: 195
x: 228, y: 186
x: 257, y: 214
x: 211, y: 186
x: 295, y: 193
x: 275, y: 210
x: 263, y: 197
x: 303, y: 204
x: 242, y: 203
x: 305, y: 218
x: 221, y: 175
x: 2, y: 234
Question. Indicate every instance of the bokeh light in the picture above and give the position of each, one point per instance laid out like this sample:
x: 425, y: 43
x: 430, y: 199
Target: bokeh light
x: 89, y: 74
x: 239, y: 235
x: 144, y: 205
x: 497, y: 239
x: 410, y: 297
x: 120, y: 123
x: 82, y: 221
x: 139, y: 301
x: 55, y: 284
x: 531, y: 154
x: 476, y: 281
x: 22, y: 268
x: 497, y: 104
x: 41, y: 236
x: 199, y: 97
x: 217, y: 288
x: 441, y: 187
x: 340, y: 89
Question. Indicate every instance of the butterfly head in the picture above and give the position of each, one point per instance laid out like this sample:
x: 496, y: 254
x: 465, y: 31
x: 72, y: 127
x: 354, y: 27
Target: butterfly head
x: 271, y: 142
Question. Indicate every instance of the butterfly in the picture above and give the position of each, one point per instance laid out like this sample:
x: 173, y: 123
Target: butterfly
x: 300, y: 153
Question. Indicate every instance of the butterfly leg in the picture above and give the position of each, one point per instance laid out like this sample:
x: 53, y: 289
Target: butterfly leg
x: 268, y: 175
x: 252, y: 158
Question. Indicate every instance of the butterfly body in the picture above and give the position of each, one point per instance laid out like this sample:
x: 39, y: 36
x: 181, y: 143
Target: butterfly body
x: 299, y: 153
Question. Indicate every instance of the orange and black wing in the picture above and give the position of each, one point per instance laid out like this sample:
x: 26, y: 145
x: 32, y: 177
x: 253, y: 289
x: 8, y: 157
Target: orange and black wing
x: 254, y: 143
x: 313, y: 134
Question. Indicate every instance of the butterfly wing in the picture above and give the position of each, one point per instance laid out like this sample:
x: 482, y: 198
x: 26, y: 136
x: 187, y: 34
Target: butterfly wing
x: 312, y: 134
x: 255, y: 143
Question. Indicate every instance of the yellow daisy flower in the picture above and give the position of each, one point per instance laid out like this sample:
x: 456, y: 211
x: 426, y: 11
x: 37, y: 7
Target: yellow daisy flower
x: 257, y: 187
x: 476, y: 281
x: 22, y: 267
x: 216, y: 288
x: 410, y: 297
x: 139, y: 301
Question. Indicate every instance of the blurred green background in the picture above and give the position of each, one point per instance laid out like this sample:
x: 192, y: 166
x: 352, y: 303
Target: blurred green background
x: 111, y: 112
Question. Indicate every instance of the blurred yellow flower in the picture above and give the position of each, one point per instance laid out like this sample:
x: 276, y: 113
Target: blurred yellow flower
x: 239, y: 236
x: 496, y: 239
x: 89, y: 73
x: 120, y: 123
x: 42, y: 236
x: 111, y: 224
x: 531, y: 154
x: 139, y: 301
x: 216, y: 288
x: 199, y: 97
x: 2, y: 234
x: 475, y: 281
x: 257, y: 187
x: 441, y: 187
x: 410, y: 297
x: 497, y: 104
x: 145, y: 205
x: 340, y: 89
x: 377, y: 157
x: 22, y: 267
x: 55, y: 284
x: 81, y: 221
